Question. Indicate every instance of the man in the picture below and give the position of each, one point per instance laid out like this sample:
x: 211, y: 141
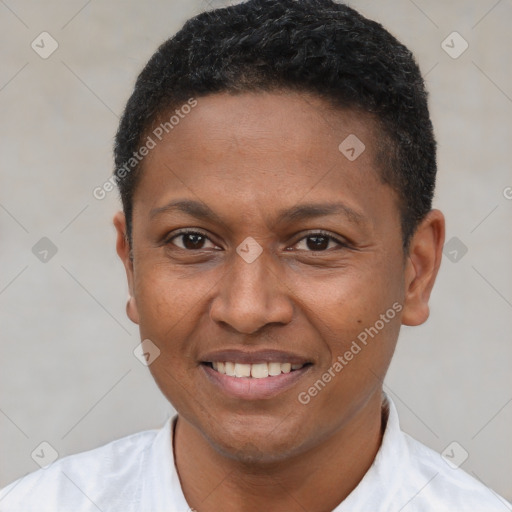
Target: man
x: 276, y: 163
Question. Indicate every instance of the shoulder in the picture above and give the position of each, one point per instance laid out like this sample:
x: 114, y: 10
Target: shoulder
x: 84, y: 481
x: 442, y: 485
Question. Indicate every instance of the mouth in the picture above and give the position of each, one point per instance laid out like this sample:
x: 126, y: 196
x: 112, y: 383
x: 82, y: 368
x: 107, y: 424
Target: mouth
x: 253, y: 376
x: 254, y: 371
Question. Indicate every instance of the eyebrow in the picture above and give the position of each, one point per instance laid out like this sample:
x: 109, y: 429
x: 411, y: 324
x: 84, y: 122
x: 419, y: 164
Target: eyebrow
x: 300, y: 212
x: 189, y: 207
x: 313, y: 210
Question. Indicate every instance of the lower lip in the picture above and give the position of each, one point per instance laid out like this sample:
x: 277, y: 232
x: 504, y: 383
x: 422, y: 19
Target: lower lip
x: 254, y: 389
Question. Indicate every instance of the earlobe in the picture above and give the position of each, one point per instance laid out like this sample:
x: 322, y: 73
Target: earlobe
x: 423, y: 262
x: 124, y: 251
x: 131, y: 310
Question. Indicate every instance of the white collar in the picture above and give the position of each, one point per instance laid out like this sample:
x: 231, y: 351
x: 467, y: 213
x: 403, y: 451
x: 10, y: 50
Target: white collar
x: 383, y: 479
x: 161, y: 488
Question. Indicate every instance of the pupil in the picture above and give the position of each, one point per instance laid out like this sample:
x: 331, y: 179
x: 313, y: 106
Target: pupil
x: 319, y: 243
x: 196, y: 241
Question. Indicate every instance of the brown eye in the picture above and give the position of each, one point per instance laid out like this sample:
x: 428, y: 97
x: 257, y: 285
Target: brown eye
x: 190, y: 240
x: 318, y: 242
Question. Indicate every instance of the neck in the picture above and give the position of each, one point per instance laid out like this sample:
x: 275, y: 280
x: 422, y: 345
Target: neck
x: 317, y: 480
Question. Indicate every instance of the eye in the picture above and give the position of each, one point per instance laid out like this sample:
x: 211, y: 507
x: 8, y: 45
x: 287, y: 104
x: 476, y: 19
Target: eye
x: 319, y: 242
x: 196, y: 240
x: 190, y: 240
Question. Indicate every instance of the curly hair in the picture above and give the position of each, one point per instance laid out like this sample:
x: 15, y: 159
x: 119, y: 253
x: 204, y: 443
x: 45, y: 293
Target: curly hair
x: 314, y: 46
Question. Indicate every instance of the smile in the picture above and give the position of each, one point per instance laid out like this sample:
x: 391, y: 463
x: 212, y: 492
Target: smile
x: 254, y: 371
x: 253, y: 381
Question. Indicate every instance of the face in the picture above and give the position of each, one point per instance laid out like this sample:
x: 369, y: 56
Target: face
x: 259, y: 248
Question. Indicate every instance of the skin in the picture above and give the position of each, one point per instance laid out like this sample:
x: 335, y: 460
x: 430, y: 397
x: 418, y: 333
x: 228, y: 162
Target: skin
x: 248, y: 157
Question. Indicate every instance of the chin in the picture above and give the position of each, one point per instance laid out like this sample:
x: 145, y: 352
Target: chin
x: 255, y: 447
x: 253, y: 454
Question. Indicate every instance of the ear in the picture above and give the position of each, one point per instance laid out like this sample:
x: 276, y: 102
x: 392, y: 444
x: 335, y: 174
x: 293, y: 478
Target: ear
x: 422, y: 264
x: 123, y: 250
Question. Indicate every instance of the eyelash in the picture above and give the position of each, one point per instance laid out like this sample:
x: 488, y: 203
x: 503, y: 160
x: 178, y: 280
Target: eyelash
x: 197, y: 232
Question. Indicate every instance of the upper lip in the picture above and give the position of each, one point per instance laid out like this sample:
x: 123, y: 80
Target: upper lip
x: 253, y: 356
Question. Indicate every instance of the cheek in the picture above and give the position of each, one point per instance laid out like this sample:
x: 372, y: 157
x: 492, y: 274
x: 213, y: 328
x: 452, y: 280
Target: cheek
x: 357, y: 319
x: 164, y: 296
x: 166, y: 307
x: 345, y: 303
x: 166, y: 312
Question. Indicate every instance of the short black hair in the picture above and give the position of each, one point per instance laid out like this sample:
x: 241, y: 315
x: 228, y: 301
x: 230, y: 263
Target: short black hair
x: 314, y: 46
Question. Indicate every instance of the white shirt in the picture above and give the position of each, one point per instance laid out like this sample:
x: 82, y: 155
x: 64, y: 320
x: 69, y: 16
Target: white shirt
x: 137, y: 474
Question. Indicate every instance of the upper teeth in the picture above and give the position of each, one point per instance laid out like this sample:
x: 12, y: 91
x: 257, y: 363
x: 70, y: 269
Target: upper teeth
x: 257, y: 371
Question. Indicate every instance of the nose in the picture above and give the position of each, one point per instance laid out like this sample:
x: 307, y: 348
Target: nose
x: 252, y: 295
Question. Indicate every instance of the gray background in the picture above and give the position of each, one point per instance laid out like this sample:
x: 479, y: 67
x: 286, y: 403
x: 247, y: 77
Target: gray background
x: 68, y: 375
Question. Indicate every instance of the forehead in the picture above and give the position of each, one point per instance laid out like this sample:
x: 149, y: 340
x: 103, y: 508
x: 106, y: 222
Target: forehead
x: 264, y: 150
x: 270, y: 120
